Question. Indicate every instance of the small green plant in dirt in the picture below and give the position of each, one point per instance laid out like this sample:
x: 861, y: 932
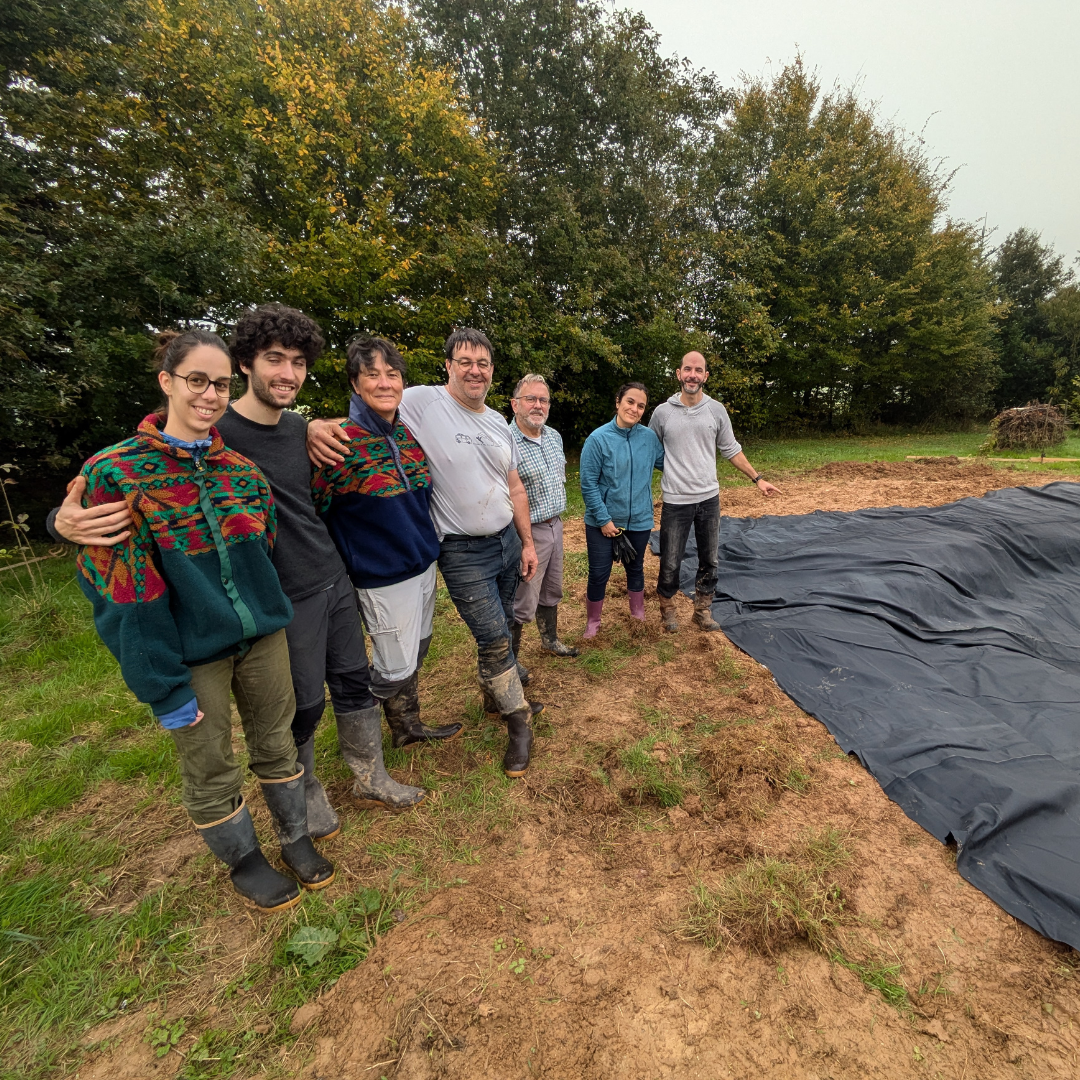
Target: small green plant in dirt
x: 164, y: 1037
x: 882, y: 977
x: 219, y: 1053
x: 727, y: 669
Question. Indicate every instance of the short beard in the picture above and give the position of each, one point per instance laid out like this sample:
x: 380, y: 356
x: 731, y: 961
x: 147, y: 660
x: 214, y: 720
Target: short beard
x: 262, y: 394
x: 697, y: 388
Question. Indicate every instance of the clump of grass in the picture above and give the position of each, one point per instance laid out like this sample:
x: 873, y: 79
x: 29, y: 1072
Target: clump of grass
x: 751, y: 764
x: 771, y: 902
x: 661, y: 767
x: 604, y: 662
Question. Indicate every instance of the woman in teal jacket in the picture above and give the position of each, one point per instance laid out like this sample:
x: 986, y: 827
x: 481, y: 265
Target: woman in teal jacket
x: 617, y: 463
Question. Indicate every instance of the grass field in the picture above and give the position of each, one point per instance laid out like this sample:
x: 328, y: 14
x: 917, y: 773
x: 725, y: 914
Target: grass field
x: 90, y: 783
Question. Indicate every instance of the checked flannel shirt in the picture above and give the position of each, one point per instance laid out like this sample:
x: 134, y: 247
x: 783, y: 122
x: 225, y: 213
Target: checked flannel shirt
x: 542, y: 468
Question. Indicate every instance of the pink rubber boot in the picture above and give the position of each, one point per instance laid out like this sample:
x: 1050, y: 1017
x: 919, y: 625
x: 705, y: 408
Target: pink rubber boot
x: 637, y: 605
x: 593, y: 609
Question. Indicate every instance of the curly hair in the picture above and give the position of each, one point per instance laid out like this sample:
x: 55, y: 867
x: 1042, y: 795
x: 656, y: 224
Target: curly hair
x: 274, y: 324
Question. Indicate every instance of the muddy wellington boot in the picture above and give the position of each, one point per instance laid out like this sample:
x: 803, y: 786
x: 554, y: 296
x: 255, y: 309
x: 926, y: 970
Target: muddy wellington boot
x: 515, y: 645
x: 703, y: 619
x: 667, y: 613
x: 402, y: 713
x: 233, y: 841
x: 547, y: 622
x: 360, y: 739
x: 637, y: 604
x: 323, y: 823
x: 519, y: 743
x: 287, y: 803
x: 491, y: 706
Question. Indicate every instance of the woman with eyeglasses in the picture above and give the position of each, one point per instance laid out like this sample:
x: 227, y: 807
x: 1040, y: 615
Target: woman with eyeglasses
x: 617, y: 463
x: 191, y: 607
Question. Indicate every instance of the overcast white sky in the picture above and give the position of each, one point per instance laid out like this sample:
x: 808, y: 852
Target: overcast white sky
x: 996, y: 84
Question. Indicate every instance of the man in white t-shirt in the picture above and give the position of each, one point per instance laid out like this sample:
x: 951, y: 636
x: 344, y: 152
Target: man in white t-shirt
x: 481, y: 515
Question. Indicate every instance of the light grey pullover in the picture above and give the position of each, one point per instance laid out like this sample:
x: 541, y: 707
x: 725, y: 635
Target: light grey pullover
x: 691, y: 437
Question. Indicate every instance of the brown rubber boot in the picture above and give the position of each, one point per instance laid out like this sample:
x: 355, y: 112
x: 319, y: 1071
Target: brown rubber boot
x: 667, y: 613
x: 703, y: 612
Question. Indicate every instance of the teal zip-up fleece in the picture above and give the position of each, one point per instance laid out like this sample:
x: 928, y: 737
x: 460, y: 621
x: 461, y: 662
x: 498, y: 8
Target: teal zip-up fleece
x: 194, y: 582
x: 616, y: 475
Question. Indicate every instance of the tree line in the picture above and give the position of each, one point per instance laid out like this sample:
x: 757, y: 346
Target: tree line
x: 536, y: 168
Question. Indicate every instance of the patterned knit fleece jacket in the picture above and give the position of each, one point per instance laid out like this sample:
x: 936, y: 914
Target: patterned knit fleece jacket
x: 194, y: 583
x: 375, y: 503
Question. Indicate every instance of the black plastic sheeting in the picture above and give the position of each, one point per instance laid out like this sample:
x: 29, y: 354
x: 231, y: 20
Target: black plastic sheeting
x: 942, y: 646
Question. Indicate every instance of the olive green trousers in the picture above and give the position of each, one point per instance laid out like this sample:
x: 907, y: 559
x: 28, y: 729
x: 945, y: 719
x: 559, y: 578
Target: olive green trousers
x: 262, y: 686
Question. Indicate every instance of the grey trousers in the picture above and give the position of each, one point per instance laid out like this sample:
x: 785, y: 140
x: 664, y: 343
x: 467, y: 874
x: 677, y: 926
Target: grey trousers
x: 545, y: 589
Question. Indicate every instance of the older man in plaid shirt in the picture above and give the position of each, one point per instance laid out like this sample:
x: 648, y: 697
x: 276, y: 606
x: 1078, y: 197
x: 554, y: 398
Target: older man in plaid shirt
x: 542, y: 468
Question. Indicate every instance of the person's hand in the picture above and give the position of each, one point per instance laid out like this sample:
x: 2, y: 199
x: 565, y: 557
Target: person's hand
x: 98, y: 525
x: 324, y: 439
x: 529, y: 562
x: 610, y: 529
x: 198, y: 716
x: 766, y: 488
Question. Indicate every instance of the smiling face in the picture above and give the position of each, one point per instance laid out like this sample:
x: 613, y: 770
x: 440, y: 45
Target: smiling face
x: 532, y: 406
x: 692, y: 373
x: 192, y: 413
x: 276, y: 375
x: 380, y: 385
x: 630, y: 408
x: 469, y: 375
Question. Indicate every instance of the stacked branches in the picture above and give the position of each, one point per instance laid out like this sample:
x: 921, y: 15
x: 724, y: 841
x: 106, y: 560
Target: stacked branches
x: 1030, y: 427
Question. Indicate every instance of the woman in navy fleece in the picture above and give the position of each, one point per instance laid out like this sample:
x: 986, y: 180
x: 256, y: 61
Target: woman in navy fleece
x: 375, y: 505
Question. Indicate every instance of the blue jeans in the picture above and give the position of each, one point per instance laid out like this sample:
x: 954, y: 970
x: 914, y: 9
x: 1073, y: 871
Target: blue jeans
x: 482, y: 575
x: 602, y: 555
x: 676, y: 520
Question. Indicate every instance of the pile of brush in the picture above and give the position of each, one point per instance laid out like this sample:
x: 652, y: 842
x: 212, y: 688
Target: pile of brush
x: 1030, y: 427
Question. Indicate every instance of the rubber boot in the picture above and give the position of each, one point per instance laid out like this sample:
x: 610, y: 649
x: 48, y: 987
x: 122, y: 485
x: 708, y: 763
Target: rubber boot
x: 515, y: 644
x: 233, y: 841
x: 703, y: 612
x: 287, y: 802
x: 402, y: 713
x: 323, y: 823
x: 360, y: 739
x: 491, y: 706
x: 667, y: 613
x: 519, y: 743
x: 637, y: 605
x: 547, y: 622
x: 593, y: 608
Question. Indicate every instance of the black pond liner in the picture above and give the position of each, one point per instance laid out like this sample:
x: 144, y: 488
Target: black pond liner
x: 942, y: 646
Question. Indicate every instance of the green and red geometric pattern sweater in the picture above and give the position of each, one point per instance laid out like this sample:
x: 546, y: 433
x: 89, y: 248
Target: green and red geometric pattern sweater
x: 194, y: 582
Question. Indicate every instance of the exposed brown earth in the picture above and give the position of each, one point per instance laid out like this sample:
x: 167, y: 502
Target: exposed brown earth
x: 549, y: 936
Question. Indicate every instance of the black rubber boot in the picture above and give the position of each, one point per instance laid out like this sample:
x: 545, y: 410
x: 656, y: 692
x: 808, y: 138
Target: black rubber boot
x: 360, y: 739
x: 547, y: 622
x: 288, y: 807
x: 520, y: 737
x: 402, y: 713
x: 323, y: 823
x: 233, y: 841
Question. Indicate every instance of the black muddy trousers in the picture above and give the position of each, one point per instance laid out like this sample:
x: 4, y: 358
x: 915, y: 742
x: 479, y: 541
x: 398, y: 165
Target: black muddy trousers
x: 482, y: 575
x: 326, y: 648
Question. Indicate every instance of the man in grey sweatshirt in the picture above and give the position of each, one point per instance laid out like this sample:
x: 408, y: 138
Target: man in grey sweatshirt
x: 692, y: 427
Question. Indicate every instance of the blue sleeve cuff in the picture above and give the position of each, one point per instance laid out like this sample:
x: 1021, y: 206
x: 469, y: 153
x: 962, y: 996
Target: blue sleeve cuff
x: 181, y: 717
